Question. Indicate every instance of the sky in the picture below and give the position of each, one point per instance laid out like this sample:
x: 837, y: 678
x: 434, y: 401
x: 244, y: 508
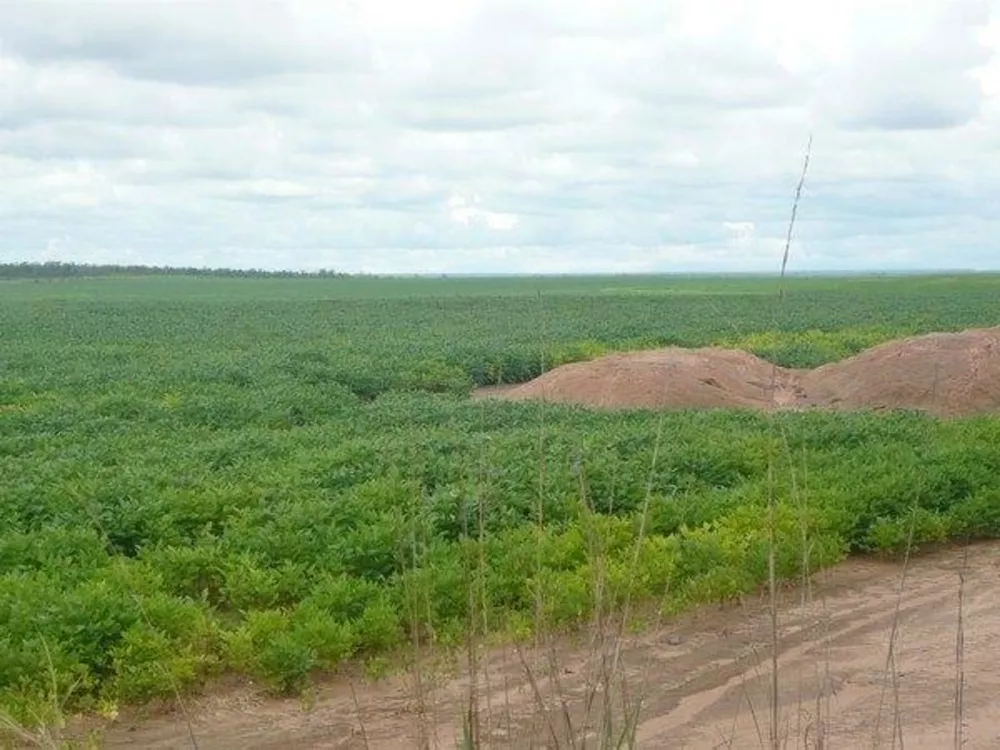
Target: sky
x: 501, y: 136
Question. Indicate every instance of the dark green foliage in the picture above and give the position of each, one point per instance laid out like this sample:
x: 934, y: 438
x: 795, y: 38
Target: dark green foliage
x: 274, y: 475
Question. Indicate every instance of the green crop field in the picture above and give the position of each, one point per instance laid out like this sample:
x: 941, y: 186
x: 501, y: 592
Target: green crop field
x: 277, y: 476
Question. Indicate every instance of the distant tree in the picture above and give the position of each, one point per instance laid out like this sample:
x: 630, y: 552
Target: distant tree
x: 60, y: 270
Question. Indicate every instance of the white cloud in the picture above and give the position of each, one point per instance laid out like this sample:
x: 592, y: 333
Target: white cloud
x: 500, y: 135
x: 462, y: 210
x: 740, y: 232
x: 273, y: 189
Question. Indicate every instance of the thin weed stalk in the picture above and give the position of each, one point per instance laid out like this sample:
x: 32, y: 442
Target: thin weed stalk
x: 411, y: 594
x: 775, y: 705
x: 540, y: 624
x: 470, y: 724
x: 539, y: 699
x: 958, y: 738
x: 47, y: 735
x: 632, y: 725
x: 484, y: 601
x: 889, y: 672
x: 360, y: 716
x: 773, y: 733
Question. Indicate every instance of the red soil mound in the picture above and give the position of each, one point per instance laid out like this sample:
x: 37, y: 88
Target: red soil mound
x: 701, y: 378
x: 948, y: 374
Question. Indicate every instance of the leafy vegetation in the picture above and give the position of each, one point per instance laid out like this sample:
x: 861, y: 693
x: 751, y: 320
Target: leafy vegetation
x: 274, y: 476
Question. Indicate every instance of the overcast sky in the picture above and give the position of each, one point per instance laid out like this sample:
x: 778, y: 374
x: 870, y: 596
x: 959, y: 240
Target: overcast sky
x: 500, y: 135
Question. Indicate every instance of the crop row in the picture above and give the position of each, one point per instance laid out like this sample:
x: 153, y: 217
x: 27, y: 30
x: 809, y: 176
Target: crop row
x: 273, y: 477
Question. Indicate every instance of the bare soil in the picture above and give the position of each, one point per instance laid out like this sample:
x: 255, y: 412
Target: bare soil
x: 704, y: 678
x: 945, y: 374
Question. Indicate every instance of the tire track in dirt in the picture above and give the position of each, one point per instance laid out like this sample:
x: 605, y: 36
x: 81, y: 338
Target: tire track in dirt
x: 703, y: 681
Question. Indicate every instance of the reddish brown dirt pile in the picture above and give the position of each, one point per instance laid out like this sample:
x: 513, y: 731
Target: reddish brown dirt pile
x: 947, y: 374
x: 701, y: 378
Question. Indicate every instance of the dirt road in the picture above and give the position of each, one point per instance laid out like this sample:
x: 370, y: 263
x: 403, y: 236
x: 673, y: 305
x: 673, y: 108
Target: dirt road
x: 704, y: 679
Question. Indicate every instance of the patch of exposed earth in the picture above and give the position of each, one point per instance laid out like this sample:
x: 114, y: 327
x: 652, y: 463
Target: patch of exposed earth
x: 704, y: 678
x: 945, y: 374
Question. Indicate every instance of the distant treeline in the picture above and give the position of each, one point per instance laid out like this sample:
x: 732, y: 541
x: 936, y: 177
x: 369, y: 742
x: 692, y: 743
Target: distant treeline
x: 58, y: 270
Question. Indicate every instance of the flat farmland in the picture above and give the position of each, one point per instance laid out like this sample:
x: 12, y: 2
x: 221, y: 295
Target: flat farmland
x: 283, y: 480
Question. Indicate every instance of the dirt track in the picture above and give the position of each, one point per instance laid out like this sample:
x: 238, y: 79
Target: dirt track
x: 702, y: 674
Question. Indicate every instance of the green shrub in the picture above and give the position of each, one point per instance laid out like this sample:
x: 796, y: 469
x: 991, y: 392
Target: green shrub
x: 331, y: 640
x: 286, y: 661
x: 248, y: 585
x: 979, y: 515
x: 148, y: 663
x: 647, y: 572
x: 342, y: 598
x: 75, y: 552
x: 379, y: 628
x: 566, y: 596
x: 896, y: 535
x: 198, y: 572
